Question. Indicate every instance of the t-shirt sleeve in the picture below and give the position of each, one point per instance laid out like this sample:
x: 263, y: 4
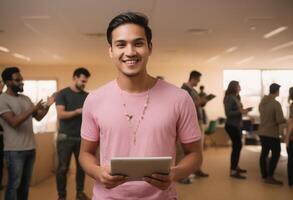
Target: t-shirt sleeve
x: 187, y: 125
x: 4, y: 107
x: 89, y: 128
x: 29, y: 100
x: 60, y: 99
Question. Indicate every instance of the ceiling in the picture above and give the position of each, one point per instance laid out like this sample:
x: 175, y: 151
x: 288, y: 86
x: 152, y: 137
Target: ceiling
x: 63, y: 32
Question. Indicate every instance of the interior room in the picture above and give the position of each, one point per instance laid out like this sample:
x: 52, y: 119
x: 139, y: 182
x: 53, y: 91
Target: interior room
x: 247, y: 41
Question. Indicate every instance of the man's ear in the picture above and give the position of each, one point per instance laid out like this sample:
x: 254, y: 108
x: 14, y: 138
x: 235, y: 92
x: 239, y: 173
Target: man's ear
x: 150, y: 45
x: 110, y: 52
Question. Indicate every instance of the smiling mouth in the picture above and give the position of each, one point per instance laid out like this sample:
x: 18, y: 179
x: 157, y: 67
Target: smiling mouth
x: 131, y: 61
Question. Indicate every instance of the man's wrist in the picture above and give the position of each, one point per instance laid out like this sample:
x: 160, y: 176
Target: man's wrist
x: 97, y: 173
x: 173, y: 173
x: 46, y: 106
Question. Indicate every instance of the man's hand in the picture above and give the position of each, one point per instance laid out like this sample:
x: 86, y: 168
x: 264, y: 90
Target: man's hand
x: 160, y: 181
x: 51, y: 99
x: 38, y: 106
x: 109, y: 181
x: 78, y: 111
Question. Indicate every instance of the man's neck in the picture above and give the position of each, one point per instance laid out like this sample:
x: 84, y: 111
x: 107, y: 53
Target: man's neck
x: 10, y: 92
x: 137, y: 84
x: 74, y: 88
x: 189, y: 84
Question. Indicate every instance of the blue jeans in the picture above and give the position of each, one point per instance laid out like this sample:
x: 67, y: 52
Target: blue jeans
x: 19, y: 167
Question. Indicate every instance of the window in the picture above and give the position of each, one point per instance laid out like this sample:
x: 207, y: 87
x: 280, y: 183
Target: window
x: 255, y: 83
x: 250, y: 90
x: 37, y: 90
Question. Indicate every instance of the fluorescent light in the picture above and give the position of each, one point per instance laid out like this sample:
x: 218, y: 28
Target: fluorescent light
x: 245, y: 60
x: 36, y: 17
x: 230, y: 50
x: 213, y: 58
x: 4, y: 49
x: 288, y: 57
x: 282, y: 46
x: 275, y: 32
x: 17, y: 55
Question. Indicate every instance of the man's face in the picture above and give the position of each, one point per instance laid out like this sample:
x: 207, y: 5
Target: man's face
x: 16, y: 84
x: 130, y: 50
x: 195, y: 81
x: 80, y: 82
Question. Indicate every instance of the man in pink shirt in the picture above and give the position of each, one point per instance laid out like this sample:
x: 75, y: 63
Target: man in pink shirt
x: 137, y: 115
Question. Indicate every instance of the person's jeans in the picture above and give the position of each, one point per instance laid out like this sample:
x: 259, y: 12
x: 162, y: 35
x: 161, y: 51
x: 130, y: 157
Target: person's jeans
x: 235, y: 135
x: 290, y: 163
x: 269, y: 144
x: 65, y: 147
x: 1, y: 159
x: 19, y: 167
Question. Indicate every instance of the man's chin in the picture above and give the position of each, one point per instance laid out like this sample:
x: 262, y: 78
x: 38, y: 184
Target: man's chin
x: 80, y: 88
x: 131, y: 74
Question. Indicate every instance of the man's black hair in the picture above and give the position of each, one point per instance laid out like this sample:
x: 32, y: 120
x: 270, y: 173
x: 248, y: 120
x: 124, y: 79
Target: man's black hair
x: 80, y: 71
x: 130, y: 18
x: 8, y: 72
x: 274, y: 87
x: 194, y: 74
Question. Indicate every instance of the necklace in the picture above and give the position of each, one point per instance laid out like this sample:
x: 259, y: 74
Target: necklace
x: 129, y: 116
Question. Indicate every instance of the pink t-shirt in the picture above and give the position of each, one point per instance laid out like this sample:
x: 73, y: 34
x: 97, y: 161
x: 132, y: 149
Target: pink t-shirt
x: 170, y: 115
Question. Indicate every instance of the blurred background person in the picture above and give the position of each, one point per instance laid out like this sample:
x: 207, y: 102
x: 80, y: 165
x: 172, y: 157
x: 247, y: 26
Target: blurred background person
x: 271, y: 118
x: 234, y: 111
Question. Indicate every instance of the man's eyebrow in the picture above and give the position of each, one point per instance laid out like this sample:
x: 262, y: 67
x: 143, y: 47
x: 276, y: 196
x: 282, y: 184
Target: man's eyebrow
x: 135, y: 40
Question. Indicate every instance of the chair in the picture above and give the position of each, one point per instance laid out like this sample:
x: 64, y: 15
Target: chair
x: 210, y: 130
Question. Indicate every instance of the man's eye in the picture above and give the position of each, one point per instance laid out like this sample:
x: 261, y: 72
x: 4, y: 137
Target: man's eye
x: 139, y: 44
x: 120, y: 45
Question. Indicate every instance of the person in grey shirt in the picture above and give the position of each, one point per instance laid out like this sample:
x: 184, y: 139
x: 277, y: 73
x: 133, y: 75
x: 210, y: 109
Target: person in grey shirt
x: 69, y: 103
x: 194, y: 79
x: 16, y: 113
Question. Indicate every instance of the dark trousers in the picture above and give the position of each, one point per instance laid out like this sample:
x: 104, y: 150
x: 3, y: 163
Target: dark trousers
x: 1, y: 158
x: 235, y: 135
x: 66, y: 146
x: 269, y: 144
x: 19, y: 167
x: 290, y: 163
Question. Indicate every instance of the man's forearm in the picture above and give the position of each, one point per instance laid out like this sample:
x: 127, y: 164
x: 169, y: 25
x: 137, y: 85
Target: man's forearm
x: 90, y: 164
x: 67, y: 114
x: 189, y: 164
x: 16, y: 120
x: 40, y: 114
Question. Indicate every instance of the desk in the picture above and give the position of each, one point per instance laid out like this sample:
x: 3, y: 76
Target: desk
x: 220, y: 137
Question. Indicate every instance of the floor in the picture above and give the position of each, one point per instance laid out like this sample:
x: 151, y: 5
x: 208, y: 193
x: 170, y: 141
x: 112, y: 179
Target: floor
x: 219, y: 186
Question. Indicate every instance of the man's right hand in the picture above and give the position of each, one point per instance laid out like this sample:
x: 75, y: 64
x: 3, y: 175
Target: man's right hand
x: 38, y: 106
x: 109, y: 181
x: 78, y: 111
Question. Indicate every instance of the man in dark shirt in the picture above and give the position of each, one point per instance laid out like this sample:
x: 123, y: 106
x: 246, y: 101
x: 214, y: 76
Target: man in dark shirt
x: 69, y: 103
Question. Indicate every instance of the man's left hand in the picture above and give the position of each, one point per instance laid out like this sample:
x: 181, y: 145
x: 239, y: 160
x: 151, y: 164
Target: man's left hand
x: 160, y: 181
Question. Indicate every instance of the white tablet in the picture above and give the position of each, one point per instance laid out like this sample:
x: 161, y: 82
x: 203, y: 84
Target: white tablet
x: 136, y: 168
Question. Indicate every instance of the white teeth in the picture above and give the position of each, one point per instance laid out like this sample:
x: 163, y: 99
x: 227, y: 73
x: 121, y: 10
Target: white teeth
x: 130, y: 62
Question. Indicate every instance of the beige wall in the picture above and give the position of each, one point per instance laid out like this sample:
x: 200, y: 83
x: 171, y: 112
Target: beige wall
x: 174, y: 72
